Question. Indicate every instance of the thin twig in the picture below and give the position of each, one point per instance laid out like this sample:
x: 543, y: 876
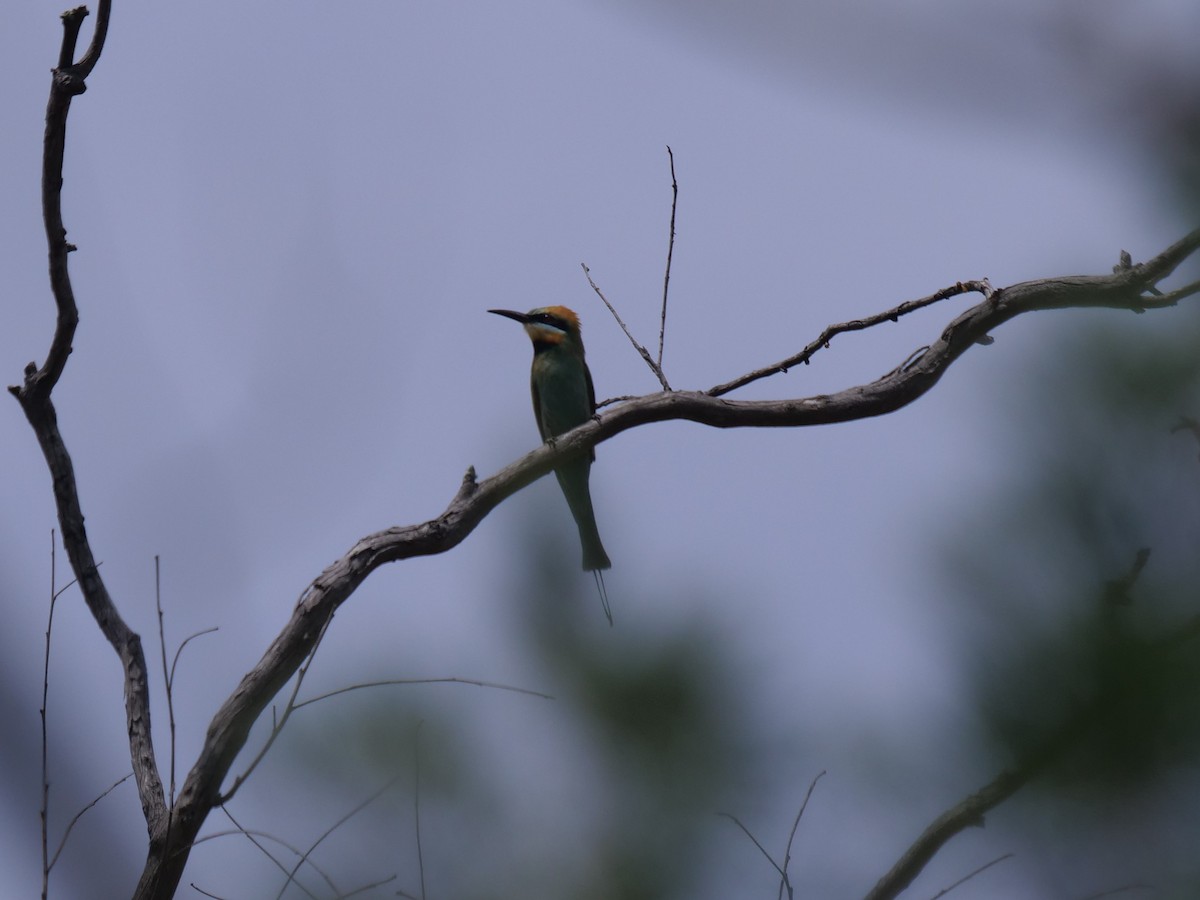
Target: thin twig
x: 784, y: 880
x: 253, y: 836
x: 761, y: 849
x: 332, y: 828
x: 79, y: 815
x: 944, y: 891
x: 371, y: 885
x: 187, y: 640
x: 787, y: 853
x: 822, y: 341
x: 662, y: 327
x: 68, y: 80
x: 162, y: 649
x: 645, y: 354
x: 45, y: 811
x: 452, y: 680
x: 1120, y: 890
x: 55, y: 593
x: 417, y: 804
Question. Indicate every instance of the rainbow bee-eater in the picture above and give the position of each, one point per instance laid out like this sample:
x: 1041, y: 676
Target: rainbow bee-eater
x: 563, y: 398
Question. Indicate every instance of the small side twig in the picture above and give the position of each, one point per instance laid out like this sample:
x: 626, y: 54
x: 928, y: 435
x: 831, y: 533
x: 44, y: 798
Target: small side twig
x: 79, y: 815
x: 1112, y: 892
x: 417, y: 804
x: 761, y: 849
x: 944, y: 891
x: 187, y: 640
x: 450, y: 680
x: 253, y: 838
x: 256, y: 838
x: 379, y: 792
x: 162, y: 649
x: 642, y: 351
x: 785, y: 882
x: 822, y: 342
x: 662, y: 326
x: 45, y: 811
x: 47, y: 860
x: 787, y: 853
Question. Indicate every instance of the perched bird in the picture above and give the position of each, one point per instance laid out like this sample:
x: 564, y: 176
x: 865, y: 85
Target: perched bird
x: 563, y: 398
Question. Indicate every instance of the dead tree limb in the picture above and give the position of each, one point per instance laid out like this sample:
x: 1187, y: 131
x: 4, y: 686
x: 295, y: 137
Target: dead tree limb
x: 68, y: 81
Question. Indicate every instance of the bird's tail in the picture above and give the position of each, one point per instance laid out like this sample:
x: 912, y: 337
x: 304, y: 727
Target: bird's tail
x: 573, y: 479
x: 603, y: 595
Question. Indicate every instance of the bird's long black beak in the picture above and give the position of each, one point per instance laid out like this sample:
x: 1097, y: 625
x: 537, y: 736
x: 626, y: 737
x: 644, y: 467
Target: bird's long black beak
x: 511, y: 314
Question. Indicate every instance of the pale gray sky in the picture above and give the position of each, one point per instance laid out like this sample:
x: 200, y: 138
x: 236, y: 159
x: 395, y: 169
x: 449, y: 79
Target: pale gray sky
x: 291, y: 219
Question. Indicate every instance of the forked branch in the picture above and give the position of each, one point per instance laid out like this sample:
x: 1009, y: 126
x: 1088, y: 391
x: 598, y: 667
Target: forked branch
x: 68, y: 81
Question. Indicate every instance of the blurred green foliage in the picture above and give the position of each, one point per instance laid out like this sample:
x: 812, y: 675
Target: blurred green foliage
x: 1080, y: 599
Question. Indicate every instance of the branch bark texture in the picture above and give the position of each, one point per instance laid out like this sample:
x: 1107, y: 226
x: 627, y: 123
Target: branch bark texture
x: 68, y: 81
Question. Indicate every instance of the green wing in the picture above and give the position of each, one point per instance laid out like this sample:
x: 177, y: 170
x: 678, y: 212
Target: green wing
x: 537, y: 409
x: 591, y: 398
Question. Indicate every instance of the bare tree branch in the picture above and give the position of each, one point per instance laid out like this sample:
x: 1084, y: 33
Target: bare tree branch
x: 987, y: 865
x: 662, y: 325
x: 447, y: 680
x: 823, y: 339
x: 642, y: 351
x: 969, y: 812
x: 68, y: 80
